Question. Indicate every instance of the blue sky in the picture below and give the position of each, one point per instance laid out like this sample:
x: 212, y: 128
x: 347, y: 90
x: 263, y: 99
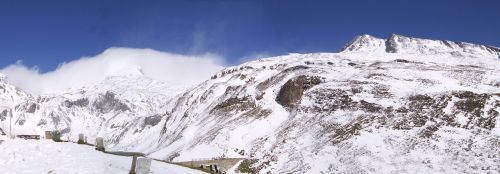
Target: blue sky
x: 47, y: 33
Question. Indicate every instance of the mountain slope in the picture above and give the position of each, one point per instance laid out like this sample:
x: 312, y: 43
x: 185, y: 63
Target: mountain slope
x: 397, y: 105
x: 340, y: 112
x: 119, y: 109
x: 407, y: 45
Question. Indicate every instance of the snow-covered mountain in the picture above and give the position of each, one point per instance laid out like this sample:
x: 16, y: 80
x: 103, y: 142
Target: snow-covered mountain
x: 397, y: 105
x: 407, y: 45
x: 117, y: 108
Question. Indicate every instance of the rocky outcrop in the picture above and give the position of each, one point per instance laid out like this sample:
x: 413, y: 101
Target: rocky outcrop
x: 27, y: 107
x: 291, y: 92
x: 83, y: 102
x: 107, y: 102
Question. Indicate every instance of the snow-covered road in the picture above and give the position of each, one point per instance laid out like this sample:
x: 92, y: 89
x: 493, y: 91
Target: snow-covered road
x: 21, y: 156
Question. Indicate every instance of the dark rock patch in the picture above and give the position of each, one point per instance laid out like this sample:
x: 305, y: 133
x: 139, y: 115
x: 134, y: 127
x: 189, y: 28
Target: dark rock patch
x: 55, y: 118
x: 249, y: 166
x: 295, y: 68
x: 258, y: 112
x: 41, y: 122
x: 429, y: 131
x: 152, y: 120
x: 345, y: 132
x: 381, y: 91
x: 402, y: 61
x: 369, y: 107
x: 4, y: 114
x: 291, y: 92
x: 83, y: 102
x: 27, y: 107
x: 234, y: 104
x: 108, y: 102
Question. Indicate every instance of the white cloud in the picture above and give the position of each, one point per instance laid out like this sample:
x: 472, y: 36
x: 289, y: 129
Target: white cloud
x: 180, y: 69
x: 254, y: 56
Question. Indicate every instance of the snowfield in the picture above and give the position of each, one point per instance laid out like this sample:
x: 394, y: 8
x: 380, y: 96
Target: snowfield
x: 396, y: 105
x: 21, y: 156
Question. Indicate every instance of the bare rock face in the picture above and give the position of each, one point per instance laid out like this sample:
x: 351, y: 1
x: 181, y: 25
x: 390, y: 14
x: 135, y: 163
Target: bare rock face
x: 235, y: 104
x: 108, y: 102
x: 291, y: 92
x: 3, y: 114
x: 152, y: 120
x: 83, y: 102
x: 28, y: 107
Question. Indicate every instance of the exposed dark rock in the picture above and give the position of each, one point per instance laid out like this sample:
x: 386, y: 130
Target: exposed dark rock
x: 108, y: 102
x: 391, y: 44
x: 21, y: 122
x: 83, y: 102
x: 248, y: 166
x: 374, y: 75
x: 428, y: 131
x: 41, y: 122
x: 426, y: 82
x: 234, y: 104
x: 243, y: 76
x: 345, y: 132
x: 295, y: 68
x: 258, y: 112
x: 152, y: 120
x: 27, y: 107
x: 173, y: 156
x: 381, y: 91
x: 4, y: 114
x: 402, y: 61
x: 32, y: 108
x: 270, y: 81
x: 232, y: 90
x: 330, y: 100
x: 291, y: 92
x: 369, y: 107
x: 356, y: 89
x: 418, y: 110
x: 279, y: 77
x: 55, y: 118
x: 471, y: 105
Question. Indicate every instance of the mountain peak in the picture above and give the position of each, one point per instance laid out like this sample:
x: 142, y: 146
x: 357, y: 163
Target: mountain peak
x: 402, y: 44
x: 365, y: 43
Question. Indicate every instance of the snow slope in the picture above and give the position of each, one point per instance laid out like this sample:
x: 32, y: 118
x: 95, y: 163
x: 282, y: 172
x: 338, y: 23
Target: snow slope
x: 118, y: 108
x: 29, y: 156
x: 396, y: 105
x: 357, y: 111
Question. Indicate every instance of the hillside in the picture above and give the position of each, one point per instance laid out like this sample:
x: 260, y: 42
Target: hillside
x: 396, y: 105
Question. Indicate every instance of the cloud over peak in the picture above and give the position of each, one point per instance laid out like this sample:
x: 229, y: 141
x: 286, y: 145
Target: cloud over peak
x: 163, y: 66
